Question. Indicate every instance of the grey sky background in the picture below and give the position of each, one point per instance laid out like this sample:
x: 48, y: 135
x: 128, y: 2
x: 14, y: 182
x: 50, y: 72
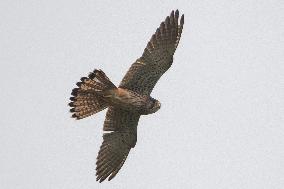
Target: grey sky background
x: 222, y: 116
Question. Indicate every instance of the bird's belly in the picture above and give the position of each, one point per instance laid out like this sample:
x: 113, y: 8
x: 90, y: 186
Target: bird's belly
x: 128, y: 100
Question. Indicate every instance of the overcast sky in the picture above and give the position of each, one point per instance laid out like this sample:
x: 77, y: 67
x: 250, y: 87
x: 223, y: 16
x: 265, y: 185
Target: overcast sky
x: 221, y: 124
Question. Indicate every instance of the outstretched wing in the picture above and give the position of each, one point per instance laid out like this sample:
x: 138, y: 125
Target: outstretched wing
x: 157, y: 57
x: 116, y: 144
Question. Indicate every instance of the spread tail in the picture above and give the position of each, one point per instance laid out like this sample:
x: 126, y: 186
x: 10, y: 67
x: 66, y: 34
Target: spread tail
x: 87, y: 99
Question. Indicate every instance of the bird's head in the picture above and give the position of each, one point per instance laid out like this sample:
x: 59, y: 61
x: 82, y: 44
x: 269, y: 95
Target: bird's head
x: 153, y: 106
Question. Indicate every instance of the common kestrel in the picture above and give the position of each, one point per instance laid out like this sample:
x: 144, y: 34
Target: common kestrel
x: 130, y: 100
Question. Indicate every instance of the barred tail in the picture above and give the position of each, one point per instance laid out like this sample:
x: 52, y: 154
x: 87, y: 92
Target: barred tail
x: 87, y: 98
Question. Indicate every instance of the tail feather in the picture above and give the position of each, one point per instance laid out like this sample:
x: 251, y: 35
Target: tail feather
x: 87, y: 98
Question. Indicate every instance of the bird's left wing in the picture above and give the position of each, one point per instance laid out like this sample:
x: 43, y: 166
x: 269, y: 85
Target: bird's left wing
x: 157, y: 58
x: 116, y: 144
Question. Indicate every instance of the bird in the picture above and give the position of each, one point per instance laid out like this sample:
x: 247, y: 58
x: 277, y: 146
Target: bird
x: 130, y: 100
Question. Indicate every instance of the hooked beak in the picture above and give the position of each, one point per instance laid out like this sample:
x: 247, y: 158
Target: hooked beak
x: 159, y: 104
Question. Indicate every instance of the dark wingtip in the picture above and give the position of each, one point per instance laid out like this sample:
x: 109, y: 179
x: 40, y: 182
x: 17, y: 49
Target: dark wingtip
x: 74, y: 116
x: 83, y: 78
x: 182, y: 20
x: 92, y: 75
x: 172, y: 13
x: 110, y: 178
x: 75, y: 92
x: 96, y: 71
x: 71, y: 104
x: 158, y: 33
x: 79, y: 84
x: 162, y: 25
x: 167, y: 21
x: 99, y: 71
x: 177, y: 14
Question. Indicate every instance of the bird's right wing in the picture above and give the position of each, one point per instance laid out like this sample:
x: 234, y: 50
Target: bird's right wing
x: 157, y: 57
x: 116, y: 144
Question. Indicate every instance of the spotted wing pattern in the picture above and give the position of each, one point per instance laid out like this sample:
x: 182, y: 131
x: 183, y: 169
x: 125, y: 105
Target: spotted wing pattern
x: 116, y: 144
x: 156, y: 58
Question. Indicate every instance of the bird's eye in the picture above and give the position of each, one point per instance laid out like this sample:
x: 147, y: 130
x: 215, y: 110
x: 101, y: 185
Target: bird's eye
x: 152, y: 103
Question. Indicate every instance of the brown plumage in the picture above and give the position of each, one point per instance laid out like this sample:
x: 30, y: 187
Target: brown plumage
x: 130, y: 100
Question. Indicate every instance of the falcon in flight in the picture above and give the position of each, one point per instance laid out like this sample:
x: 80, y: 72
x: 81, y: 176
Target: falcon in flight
x: 130, y: 100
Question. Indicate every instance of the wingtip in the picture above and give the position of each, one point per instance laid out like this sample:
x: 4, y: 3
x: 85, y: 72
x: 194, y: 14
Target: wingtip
x: 75, y: 92
x: 83, y: 79
x: 100, y: 179
x: 71, y: 104
x: 182, y: 20
x: 109, y: 178
x: 172, y: 13
x: 95, y: 71
x: 79, y: 84
x: 177, y: 14
x: 92, y: 75
x: 167, y: 21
